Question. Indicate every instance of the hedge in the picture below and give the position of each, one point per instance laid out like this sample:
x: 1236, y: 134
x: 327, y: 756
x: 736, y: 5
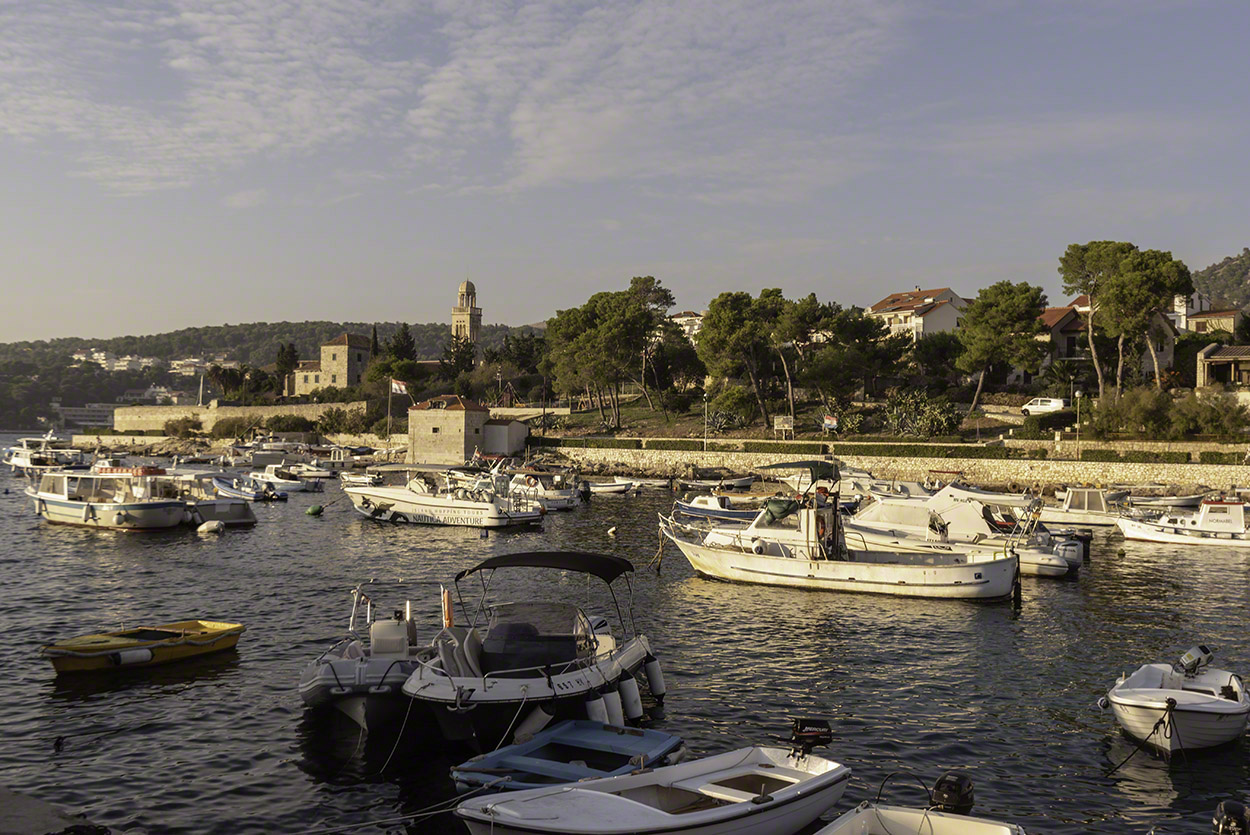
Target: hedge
x: 925, y: 451
x: 787, y: 447
x: 1134, y: 456
x: 1042, y: 427
x: 1213, y: 457
x: 675, y: 445
x: 588, y: 443
x: 903, y: 439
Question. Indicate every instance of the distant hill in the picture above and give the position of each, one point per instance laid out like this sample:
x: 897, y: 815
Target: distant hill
x: 255, y: 343
x: 1228, y: 281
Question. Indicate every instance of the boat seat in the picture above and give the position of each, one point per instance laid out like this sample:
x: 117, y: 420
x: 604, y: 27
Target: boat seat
x: 388, y: 639
x: 713, y: 785
x: 549, y: 768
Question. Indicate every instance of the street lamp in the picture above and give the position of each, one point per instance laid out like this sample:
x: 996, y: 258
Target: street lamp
x: 1078, y: 424
x: 705, y: 421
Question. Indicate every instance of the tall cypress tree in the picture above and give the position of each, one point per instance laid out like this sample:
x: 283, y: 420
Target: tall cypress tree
x: 374, y: 347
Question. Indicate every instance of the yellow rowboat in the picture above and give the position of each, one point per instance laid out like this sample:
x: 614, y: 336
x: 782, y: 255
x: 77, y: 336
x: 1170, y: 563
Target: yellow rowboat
x: 144, y: 646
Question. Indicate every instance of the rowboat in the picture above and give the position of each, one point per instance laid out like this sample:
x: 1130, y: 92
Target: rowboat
x: 144, y: 646
x: 951, y: 800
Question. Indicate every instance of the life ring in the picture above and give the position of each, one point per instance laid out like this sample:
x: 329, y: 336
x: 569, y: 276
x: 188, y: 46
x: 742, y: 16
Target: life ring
x: 820, y: 527
x: 531, y: 481
x: 1013, y: 487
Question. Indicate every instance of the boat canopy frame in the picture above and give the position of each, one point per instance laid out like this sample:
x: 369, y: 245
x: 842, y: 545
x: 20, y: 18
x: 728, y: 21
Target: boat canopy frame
x: 817, y: 469
x: 606, y: 567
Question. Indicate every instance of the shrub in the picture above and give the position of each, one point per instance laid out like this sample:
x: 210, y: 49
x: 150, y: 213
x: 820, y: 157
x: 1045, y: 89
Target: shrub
x: 1038, y: 453
x: 1100, y: 455
x: 924, y: 451
x: 1137, y: 456
x: 914, y: 412
x: 1212, y: 457
x: 676, y: 401
x: 184, y: 427
x: 675, y: 445
x: 588, y: 443
x: 787, y: 447
x: 332, y: 421
x: 289, y: 423
x: 233, y: 427
x: 1042, y: 427
x: 1211, y: 413
x: 737, y: 404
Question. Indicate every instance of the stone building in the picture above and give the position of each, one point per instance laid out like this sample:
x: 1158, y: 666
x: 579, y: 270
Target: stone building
x: 466, y: 316
x: 342, y: 364
x: 446, y: 430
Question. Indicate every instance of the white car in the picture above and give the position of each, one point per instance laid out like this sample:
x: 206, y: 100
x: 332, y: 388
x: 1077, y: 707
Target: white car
x: 1040, y: 405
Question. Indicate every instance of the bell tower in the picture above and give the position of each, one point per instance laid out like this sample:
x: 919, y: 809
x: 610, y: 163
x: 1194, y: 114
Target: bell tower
x: 466, y: 316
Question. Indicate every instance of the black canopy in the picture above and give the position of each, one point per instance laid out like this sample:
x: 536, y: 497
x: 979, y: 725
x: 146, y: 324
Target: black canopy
x: 818, y: 469
x: 603, y: 566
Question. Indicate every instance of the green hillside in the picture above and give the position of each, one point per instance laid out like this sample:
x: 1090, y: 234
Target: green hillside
x: 255, y: 343
x: 1227, y: 281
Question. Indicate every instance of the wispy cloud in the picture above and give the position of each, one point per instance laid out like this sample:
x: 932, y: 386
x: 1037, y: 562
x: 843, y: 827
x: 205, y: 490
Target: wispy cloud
x: 154, y: 94
x: 245, y: 199
x: 1008, y: 140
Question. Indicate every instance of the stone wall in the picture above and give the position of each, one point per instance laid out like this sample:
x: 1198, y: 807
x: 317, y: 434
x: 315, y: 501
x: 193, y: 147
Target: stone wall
x: 990, y: 472
x: 445, y: 436
x: 145, y: 418
x: 367, y: 439
x: 1067, y: 447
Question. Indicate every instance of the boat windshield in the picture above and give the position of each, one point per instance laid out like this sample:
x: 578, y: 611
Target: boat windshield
x: 534, y: 634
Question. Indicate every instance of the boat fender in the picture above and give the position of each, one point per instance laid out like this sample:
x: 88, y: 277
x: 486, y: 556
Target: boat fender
x: 119, y: 518
x: 131, y: 656
x: 365, y: 503
x: 757, y: 546
x: 612, y: 701
x: 215, y: 526
x: 537, y: 719
x: 596, y: 710
x: 186, y: 517
x: 1013, y: 487
x: 655, y: 678
x: 631, y: 701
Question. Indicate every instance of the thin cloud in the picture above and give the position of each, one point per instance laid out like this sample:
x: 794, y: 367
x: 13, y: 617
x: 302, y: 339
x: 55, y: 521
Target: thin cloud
x: 245, y: 199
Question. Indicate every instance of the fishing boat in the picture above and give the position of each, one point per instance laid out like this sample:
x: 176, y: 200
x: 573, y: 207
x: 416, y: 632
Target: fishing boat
x: 487, y: 503
x: 1218, y: 523
x: 32, y: 457
x: 361, y: 676
x: 1111, y: 496
x: 554, y: 490
x: 751, y: 791
x: 517, y: 665
x: 950, y: 802
x: 611, y: 488
x: 282, y: 478
x: 143, y: 646
x: 247, y: 490
x: 802, y: 543
x: 567, y: 752
x: 114, y: 498
x: 1167, y: 502
x: 1083, y: 506
x: 1183, y: 706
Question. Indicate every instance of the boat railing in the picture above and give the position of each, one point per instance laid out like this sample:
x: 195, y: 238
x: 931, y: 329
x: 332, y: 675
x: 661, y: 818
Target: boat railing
x: 496, y: 677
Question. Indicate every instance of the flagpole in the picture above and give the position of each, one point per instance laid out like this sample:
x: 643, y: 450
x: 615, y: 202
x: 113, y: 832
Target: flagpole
x: 390, y: 389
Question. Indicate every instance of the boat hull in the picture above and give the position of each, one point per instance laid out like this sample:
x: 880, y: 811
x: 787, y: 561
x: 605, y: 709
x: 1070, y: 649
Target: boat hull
x: 967, y: 581
x: 400, y: 505
x: 93, y: 653
x: 1187, y: 729
x: 1034, y: 562
x: 1143, y: 531
x: 129, y: 516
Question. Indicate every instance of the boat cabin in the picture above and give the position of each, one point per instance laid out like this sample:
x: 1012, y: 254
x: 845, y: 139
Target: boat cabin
x: 111, y: 485
x: 1087, y: 500
x: 1213, y: 516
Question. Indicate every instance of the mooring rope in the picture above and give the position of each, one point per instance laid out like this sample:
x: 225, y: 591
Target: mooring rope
x: 1167, y: 711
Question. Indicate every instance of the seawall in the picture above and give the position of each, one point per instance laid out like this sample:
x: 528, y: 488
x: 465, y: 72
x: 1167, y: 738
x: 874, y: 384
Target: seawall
x: 147, y: 418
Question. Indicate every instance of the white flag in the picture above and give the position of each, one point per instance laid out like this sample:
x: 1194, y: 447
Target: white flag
x: 398, y: 387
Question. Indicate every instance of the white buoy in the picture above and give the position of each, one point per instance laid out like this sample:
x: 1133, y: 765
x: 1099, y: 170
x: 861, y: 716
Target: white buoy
x: 655, y: 678
x: 612, y: 531
x: 596, y: 710
x: 612, y: 700
x: 631, y: 702
x: 532, y: 724
x: 215, y: 526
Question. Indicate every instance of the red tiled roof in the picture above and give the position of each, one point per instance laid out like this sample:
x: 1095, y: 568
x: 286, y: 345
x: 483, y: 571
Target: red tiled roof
x: 451, y: 403
x: 1052, y: 316
x: 1215, y: 314
x: 308, y: 365
x: 351, y: 340
x: 1228, y: 352
x: 907, y: 300
x: 925, y: 311
x: 1080, y: 301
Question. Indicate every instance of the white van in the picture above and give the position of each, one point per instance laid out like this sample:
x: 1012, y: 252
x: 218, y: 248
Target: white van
x: 1039, y: 405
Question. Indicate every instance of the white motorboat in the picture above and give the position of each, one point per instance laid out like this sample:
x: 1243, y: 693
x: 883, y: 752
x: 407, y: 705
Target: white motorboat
x: 198, y: 488
x: 1174, y: 707
x: 716, y: 482
x: 793, y: 543
x: 1083, y: 506
x: 1217, y: 523
x: 554, y: 490
x: 750, y: 791
x: 362, y: 677
x: 609, y: 488
x: 360, y: 479
x: 951, y: 801
x: 302, y: 470
x: 486, y: 503
x: 516, y: 666
x: 338, y: 460
x: 1111, y: 496
x: 282, y: 478
x: 1167, y: 502
x: 645, y: 482
x: 115, y: 498
x: 964, y: 526
x: 32, y: 457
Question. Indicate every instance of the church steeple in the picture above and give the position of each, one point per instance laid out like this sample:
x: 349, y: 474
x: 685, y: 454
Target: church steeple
x: 466, y: 316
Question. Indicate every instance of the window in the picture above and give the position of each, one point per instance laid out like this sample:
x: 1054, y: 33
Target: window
x: 477, y: 431
x: 333, y: 357
x: 434, y: 430
x: 357, y: 378
x: 358, y: 359
x: 334, y: 378
x: 316, y: 378
x: 1200, y: 327
x: 305, y: 378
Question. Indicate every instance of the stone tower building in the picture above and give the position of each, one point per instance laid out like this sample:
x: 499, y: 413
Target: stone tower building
x: 342, y: 364
x: 466, y: 316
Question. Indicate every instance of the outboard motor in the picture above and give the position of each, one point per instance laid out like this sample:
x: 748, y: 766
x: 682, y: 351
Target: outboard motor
x: 1231, y: 818
x: 583, y: 490
x: 953, y: 793
x: 806, y: 734
x: 1194, y: 659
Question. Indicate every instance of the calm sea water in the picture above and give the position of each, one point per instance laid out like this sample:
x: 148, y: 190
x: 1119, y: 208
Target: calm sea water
x: 224, y: 745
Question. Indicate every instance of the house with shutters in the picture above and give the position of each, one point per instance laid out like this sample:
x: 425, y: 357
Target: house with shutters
x: 918, y: 313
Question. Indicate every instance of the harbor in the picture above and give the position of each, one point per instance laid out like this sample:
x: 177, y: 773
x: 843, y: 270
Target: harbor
x: 1006, y: 694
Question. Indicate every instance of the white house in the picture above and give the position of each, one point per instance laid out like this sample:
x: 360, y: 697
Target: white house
x: 920, y: 313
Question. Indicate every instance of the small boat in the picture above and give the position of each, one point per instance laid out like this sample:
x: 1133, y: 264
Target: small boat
x: 1166, y: 502
x: 486, y: 503
x: 729, y: 482
x: 197, y: 488
x: 570, y: 751
x: 32, y: 457
x: 1183, y: 706
x: 555, y: 490
x: 362, y: 678
x: 144, y: 646
x: 720, y: 508
x: 751, y: 791
x: 309, y: 471
x: 113, y: 498
x: 1111, y: 496
x: 608, y: 488
x: 516, y: 666
x: 248, y: 490
x: 281, y: 477
x: 1217, y: 523
x: 645, y: 482
x: 360, y: 479
x: 950, y: 802
x: 1083, y: 506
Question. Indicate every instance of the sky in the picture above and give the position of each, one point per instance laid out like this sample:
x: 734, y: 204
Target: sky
x: 169, y: 163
